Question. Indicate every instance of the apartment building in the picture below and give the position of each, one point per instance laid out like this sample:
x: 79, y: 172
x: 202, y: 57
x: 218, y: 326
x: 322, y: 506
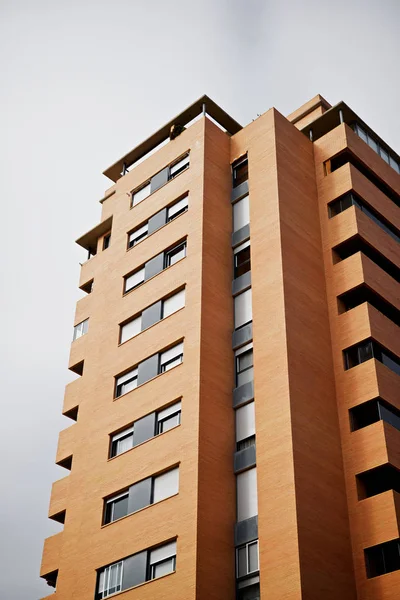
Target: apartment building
x: 236, y: 410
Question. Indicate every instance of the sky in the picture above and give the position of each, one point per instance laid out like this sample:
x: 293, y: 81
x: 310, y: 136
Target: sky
x: 83, y: 82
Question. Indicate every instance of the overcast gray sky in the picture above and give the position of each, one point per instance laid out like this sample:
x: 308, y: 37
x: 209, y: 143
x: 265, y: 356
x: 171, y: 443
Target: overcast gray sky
x: 84, y: 81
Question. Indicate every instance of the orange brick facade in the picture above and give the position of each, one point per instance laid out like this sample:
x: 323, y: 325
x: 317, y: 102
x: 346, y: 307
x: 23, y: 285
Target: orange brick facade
x: 312, y: 527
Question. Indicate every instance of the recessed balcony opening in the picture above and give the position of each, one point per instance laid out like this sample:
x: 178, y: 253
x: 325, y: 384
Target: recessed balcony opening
x: 87, y: 287
x: 382, y: 558
x: 378, y: 480
x: 373, y: 411
x: 66, y: 463
x: 78, y: 368
x: 51, y: 578
x: 59, y: 517
x: 357, y: 244
x: 72, y: 413
x: 362, y: 294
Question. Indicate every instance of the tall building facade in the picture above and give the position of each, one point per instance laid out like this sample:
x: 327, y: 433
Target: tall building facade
x: 236, y: 409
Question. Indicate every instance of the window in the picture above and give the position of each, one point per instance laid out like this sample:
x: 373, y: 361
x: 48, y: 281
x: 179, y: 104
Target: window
x: 247, y: 559
x: 171, y: 358
x: 181, y: 165
x: 378, y: 480
x: 241, y: 213
x: 173, y: 303
x: 177, y: 209
x: 376, y: 147
x: 106, y: 241
x: 370, y: 349
x: 372, y: 411
x: 130, y: 329
x: 116, y: 507
x: 251, y: 592
x: 244, y: 365
x: 246, y: 494
x: 350, y: 199
x: 383, y: 558
x: 177, y: 253
x: 132, y: 281
x: 140, y: 194
x: 240, y: 171
x: 137, y: 235
x: 110, y: 580
x: 169, y: 417
x: 243, y: 309
x: 126, y: 383
x: 140, y: 495
x: 121, y: 442
x: 162, y: 560
x: 242, y: 259
x: 136, y: 569
x: 165, y: 485
x: 245, y: 426
x: 81, y: 329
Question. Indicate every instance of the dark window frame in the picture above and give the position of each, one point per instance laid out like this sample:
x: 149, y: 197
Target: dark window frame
x: 238, y: 177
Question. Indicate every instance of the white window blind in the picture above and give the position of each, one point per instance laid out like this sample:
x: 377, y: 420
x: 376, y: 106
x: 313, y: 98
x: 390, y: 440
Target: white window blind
x: 243, y: 309
x: 141, y: 194
x: 129, y: 330
x: 81, y: 329
x: 246, y: 490
x: 167, y: 358
x: 173, y: 303
x: 134, y: 280
x: 162, y: 552
x: 166, y: 485
x: 241, y: 213
x: 178, y: 207
x: 179, y: 166
x: 163, y: 414
x: 138, y: 234
x: 245, y: 422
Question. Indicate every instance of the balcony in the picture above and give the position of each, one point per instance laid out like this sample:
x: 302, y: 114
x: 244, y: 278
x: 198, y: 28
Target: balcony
x: 51, y: 555
x: 66, y: 444
x: 380, y: 516
x: 58, y: 499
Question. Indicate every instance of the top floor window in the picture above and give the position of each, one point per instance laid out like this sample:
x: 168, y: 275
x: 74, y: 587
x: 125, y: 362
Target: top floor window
x: 376, y: 147
x: 240, y: 171
x: 160, y: 179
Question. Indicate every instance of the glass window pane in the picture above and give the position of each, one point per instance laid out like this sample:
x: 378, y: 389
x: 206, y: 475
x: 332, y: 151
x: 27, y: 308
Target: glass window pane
x: 390, y: 363
x: 178, y: 167
x: 241, y: 561
x: 394, y: 164
x: 246, y: 485
x: 245, y: 422
x: 245, y: 377
x: 169, y: 423
x: 163, y: 568
x: 362, y: 134
x: 240, y: 172
x: 125, y: 443
x: 129, y: 330
x: 166, y: 485
x: 241, y: 213
x: 141, y: 194
x: 170, y: 410
x: 173, y: 303
x: 138, y: 235
x: 119, y: 508
x: 172, y: 353
x: 372, y: 143
x: 172, y: 256
x: 134, y: 280
x: 243, y: 309
x: 177, y: 208
x: 384, y: 154
x: 365, y: 352
x: 163, y: 552
x: 253, y: 557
